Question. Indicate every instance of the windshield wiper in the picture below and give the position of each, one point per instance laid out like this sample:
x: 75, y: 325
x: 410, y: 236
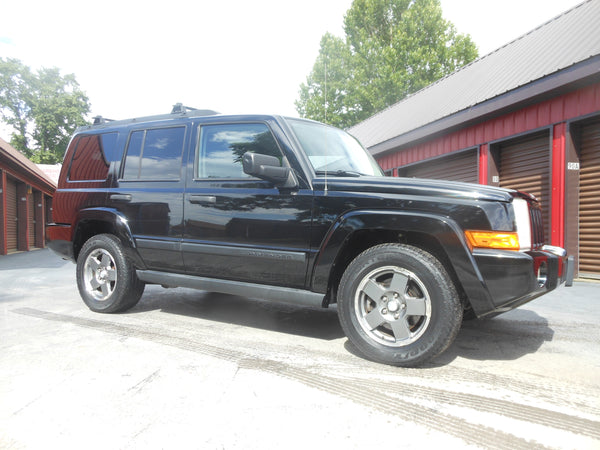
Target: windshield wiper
x: 340, y: 173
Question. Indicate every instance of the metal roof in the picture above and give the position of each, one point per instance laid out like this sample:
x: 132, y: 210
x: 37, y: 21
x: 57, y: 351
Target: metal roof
x: 11, y: 156
x: 569, y: 39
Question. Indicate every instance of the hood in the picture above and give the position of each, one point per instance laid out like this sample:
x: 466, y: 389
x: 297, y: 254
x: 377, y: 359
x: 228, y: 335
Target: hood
x: 419, y: 187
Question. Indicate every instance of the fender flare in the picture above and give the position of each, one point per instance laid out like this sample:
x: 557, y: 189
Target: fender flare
x: 446, y: 231
x: 118, y: 224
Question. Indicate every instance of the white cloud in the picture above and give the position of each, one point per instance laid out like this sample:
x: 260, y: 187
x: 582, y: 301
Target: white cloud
x: 232, y: 136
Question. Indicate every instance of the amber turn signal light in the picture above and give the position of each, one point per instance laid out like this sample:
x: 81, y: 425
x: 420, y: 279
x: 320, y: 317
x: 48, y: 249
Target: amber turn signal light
x: 493, y: 239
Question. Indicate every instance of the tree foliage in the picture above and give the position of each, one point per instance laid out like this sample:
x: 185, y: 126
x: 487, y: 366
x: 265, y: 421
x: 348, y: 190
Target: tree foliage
x: 43, y: 108
x: 323, y: 97
x: 392, y: 48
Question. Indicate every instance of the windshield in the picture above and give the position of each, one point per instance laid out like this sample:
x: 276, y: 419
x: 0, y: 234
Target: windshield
x: 332, y: 150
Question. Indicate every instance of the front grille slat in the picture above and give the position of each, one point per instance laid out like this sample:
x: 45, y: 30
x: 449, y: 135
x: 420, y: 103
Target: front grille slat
x: 537, y: 226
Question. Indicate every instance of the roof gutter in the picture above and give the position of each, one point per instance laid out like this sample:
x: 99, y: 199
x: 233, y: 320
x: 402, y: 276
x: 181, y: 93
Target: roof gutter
x: 20, y: 168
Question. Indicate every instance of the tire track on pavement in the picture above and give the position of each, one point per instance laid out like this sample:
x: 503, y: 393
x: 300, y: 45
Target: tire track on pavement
x: 510, y: 409
x: 354, y: 389
x: 546, y: 389
x: 474, y: 434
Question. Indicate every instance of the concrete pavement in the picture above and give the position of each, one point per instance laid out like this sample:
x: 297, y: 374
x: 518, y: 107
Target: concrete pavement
x: 191, y: 369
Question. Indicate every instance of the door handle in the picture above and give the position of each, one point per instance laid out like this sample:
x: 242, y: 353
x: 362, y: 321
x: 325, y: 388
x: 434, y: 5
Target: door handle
x: 203, y: 199
x: 120, y: 197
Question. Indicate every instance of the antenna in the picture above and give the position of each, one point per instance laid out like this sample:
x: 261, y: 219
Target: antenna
x: 326, y: 91
x: 325, y: 192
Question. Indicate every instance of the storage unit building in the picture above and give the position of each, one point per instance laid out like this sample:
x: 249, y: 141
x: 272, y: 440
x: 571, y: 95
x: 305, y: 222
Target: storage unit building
x: 25, y: 202
x: 526, y: 116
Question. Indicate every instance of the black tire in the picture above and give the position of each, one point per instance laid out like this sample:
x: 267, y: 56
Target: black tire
x: 469, y: 315
x: 398, y: 305
x: 106, y: 279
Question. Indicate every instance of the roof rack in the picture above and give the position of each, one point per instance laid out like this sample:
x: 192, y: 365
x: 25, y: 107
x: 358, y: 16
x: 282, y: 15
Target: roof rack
x: 99, y: 119
x: 180, y: 108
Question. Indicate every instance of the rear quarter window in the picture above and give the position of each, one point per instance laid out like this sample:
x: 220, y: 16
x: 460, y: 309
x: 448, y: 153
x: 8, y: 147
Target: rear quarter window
x: 92, y: 156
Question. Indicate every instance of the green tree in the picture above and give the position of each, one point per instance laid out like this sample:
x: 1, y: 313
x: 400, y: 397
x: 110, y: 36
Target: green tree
x: 323, y: 97
x: 43, y: 108
x: 392, y: 48
x: 15, y: 79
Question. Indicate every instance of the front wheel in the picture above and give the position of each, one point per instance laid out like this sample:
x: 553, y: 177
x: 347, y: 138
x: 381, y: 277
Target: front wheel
x: 398, y: 305
x: 106, y: 279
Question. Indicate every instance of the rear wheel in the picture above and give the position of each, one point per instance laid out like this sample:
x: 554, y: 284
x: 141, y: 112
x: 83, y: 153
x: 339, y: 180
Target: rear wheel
x: 398, y: 305
x: 106, y: 279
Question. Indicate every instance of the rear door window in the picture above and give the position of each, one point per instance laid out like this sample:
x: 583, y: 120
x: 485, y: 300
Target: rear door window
x: 154, y: 154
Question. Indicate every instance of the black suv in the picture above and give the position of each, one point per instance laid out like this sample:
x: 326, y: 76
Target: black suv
x: 296, y: 211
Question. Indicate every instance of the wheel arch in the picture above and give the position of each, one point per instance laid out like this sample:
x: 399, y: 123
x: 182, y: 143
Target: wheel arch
x: 357, y: 231
x: 94, y: 221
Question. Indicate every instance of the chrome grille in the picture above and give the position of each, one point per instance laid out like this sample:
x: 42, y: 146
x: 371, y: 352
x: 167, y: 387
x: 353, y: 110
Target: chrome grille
x: 537, y: 225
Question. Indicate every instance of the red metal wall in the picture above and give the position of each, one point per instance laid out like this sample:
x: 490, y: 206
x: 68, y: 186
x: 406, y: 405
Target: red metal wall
x: 560, y: 109
x: 551, y: 113
x: 28, y: 187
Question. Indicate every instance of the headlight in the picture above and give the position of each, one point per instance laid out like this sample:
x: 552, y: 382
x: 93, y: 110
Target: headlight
x: 505, y: 240
x: 521, y: 209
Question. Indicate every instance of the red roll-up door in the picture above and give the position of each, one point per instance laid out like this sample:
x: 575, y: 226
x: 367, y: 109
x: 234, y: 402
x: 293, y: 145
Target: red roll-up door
x: 456, y: 167
x: 525, y: 166
x: 31, y: 219
x: 11, y: 215
x: 589, y: 201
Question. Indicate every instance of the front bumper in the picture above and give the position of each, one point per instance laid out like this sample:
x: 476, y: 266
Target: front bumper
x: 514, y: 278
x: 566, y: 264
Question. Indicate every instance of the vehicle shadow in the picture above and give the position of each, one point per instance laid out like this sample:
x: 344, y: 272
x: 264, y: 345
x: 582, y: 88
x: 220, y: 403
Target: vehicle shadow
x: 506, y: 337
x: 503, y: 338
x: 279, y: 317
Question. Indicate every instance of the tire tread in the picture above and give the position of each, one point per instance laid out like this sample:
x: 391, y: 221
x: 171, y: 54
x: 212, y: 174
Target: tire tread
x: 126, y: 294
x: 447, y: 328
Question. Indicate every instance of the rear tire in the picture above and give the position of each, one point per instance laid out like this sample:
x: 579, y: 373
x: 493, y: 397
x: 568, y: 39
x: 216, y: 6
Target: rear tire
x: 106, y: 279
x: 398, y: 305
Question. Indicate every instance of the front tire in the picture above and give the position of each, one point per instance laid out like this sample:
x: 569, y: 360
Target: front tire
x: 398, y: 305
x: 106, y: 279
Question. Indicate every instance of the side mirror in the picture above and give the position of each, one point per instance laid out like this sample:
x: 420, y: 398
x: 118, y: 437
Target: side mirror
x: 269, y: 168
